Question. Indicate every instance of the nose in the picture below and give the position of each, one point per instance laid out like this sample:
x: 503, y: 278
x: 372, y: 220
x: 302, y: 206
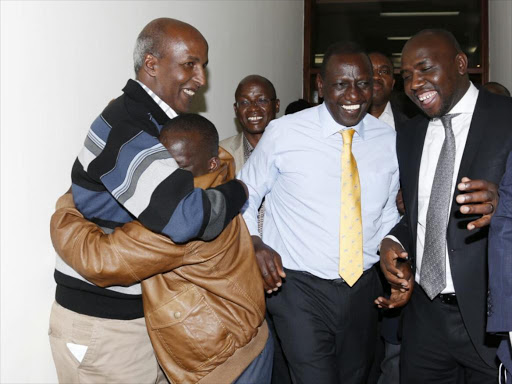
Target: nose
x: 353, y: 93
x: 416, y: 81
x: 376, y: 75
x: 200, y: 76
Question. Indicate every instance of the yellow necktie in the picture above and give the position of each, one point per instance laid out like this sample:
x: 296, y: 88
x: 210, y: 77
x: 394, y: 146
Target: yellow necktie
x: 351, y: 229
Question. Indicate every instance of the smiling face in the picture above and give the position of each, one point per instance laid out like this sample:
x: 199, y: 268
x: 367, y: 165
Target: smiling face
x: 434, y: 73
x: 256, y: 105
x: 181, y: 70
x: 383, y: 80
x: 347, y: 87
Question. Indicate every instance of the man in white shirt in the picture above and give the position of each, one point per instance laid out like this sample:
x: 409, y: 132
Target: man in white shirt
x: 463, y: 144
x: 326, y: 324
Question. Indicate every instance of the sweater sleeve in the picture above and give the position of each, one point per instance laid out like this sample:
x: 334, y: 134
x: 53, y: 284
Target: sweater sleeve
x: 125, y: 169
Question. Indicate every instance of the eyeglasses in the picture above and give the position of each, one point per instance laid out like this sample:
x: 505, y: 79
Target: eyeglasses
x: 261, y: 102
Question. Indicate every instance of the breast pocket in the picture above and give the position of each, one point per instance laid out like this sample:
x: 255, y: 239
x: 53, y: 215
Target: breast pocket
x: 190, y: 331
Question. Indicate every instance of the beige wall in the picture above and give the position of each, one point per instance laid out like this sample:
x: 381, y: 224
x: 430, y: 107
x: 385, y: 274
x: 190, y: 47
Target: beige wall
x: 61, y: 62
x: 500, y: 42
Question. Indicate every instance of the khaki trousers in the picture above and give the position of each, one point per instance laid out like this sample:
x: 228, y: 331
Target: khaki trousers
x: 116, y: 351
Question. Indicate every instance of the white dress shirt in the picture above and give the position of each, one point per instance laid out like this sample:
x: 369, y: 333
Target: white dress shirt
x: 296, y: 167
x: 387, y: 116
x: 431, y: 150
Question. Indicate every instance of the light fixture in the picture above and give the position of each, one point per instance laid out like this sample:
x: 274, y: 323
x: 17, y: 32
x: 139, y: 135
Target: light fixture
x: 472, y: 49
x: 411, y: 14
x: 398, y: 38
x: 398, y: 54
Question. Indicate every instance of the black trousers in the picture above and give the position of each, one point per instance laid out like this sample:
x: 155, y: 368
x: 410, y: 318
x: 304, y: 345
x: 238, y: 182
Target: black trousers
x: 436, y: 347
x: 327, y: 329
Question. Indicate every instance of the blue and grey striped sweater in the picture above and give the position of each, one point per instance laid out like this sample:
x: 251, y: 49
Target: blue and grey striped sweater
x: 124, y: 173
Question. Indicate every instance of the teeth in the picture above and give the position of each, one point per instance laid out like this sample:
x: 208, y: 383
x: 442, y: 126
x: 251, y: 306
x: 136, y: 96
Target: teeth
x: 426, y: 95
x: 189, y: 92
x: 255, y: 118
x: 351, y: 107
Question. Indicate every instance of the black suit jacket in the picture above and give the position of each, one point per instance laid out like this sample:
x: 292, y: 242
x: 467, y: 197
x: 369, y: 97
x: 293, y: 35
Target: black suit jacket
x: 488, y: 143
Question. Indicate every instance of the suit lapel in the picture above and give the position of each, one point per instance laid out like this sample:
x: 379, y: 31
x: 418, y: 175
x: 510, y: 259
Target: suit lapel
x: 416, y: 149
x: 475, y: 137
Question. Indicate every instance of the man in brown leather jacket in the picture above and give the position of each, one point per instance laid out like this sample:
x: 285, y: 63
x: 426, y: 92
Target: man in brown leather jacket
x: 203, y: 301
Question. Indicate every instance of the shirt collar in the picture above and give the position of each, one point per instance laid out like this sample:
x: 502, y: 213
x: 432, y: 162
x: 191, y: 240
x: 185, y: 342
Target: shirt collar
x: 467, y: 103
x: 162, y: 104
x: 388, y: 110
x: 331, y: 127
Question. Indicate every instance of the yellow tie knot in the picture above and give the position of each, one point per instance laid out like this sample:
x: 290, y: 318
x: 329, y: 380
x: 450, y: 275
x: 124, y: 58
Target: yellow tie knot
x: 347, y: 136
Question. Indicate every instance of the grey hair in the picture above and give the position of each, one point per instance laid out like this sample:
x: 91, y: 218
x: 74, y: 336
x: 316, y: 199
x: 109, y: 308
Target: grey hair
x: 146, y: 43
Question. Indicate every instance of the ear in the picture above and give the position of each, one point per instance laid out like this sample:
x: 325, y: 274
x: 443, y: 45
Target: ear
x: 150, y: 64
x: 462, y: 63
x: 234, y: 107
x: 213, y: 164
x: 278, y: 105
x: 320, y: 85
x: 393, y: 83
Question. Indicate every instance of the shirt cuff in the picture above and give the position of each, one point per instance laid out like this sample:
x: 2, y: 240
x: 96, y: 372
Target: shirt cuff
x: 392, y: 238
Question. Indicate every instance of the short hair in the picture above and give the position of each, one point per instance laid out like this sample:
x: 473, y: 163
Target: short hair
x: 388, y: 58
x: 258, y: 78
x: 193, y: 123
x: 502, y: 89
x: 342, y: 48
x: 296, y: 106
x: 150, y: 40
x: 440, y: 32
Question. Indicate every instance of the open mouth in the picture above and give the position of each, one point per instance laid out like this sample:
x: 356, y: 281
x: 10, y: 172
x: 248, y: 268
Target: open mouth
x: 427, y: 98
x: 351, y: 108
x: 254, y: 119
x: 189, y: 92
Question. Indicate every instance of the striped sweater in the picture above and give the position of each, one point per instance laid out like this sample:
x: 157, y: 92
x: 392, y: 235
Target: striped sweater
x: 124, y: 173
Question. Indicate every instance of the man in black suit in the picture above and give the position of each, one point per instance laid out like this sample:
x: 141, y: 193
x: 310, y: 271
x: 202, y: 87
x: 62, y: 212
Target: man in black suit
x: 455, y: 156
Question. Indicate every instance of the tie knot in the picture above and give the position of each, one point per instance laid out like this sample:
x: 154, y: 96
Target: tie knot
x: 447, y: 119
x: 347, y: 135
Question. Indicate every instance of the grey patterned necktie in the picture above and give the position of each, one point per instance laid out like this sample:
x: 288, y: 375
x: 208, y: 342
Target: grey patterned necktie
x: 433, y: 265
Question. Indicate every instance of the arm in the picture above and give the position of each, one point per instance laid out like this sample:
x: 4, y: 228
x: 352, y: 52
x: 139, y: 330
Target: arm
x: 141, y: 175
x: 500, y: 258
x: 260, y: 173
x: 128, y: 255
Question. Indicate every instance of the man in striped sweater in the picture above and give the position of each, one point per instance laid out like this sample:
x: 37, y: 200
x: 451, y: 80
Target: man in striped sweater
x: 124, y: 173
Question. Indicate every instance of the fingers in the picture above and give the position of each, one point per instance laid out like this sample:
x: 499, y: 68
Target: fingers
x: 467, y: 184
x: 477, y: 209
x: 476, y: 197
x: 279, y: 265
x: 480, y: 223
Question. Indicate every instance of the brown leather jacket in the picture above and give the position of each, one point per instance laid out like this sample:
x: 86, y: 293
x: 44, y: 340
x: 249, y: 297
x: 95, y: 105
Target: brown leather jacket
x: 203, y: 301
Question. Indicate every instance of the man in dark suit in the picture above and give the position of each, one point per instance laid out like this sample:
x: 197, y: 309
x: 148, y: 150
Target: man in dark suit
x: 455, y: 156
x: 499, y: 316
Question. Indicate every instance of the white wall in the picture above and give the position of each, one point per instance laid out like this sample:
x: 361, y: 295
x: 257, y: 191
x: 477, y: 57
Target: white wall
x: 61, y: 62
x: 500, y: 42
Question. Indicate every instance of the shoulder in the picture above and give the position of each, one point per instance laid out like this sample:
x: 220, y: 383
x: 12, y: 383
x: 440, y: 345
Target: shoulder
x: 302, y: 120
x: 232, y: 142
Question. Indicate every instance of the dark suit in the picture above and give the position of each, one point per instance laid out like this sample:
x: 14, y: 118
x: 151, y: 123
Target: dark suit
x: 488, y: 143
x: 500, y: 268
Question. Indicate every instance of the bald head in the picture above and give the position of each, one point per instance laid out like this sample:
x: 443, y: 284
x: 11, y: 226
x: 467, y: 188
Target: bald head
x: 256, y: 79
x: 434, y: 70
x: 156, y: 35
x: 441, y: 36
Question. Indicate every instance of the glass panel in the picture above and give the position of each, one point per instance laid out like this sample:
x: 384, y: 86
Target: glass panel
x: 387, y: 24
